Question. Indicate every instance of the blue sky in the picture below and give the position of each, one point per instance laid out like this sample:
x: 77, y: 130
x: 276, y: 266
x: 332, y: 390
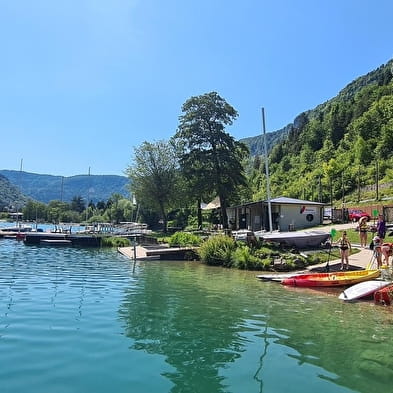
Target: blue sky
x: 83, y: 82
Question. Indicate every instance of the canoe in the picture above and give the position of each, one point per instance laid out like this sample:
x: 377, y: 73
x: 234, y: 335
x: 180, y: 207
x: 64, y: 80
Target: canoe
x: 384, y: 295
x: 333, y: 279
x: 363, y: 289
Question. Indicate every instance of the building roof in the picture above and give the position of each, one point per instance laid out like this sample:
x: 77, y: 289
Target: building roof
x: 283, y: 201
x: 293, y: 201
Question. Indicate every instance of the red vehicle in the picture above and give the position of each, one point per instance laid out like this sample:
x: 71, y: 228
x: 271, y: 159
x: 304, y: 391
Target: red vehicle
x: 356, y: 214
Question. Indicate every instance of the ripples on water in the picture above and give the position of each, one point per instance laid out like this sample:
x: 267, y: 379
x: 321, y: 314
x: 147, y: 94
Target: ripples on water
x: 83, y: 320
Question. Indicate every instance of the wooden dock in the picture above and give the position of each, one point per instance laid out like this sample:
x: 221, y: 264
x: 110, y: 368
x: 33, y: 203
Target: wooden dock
x: 165, y: 253
x: 76, y: 240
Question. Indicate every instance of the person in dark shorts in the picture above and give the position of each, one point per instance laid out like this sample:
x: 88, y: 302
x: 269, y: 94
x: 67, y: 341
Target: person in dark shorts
x: 363, y: 227
x: 345, y: 248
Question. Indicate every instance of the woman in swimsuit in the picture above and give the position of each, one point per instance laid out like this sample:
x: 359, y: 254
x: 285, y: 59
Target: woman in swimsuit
x: 363, y: 231
x: 345, y: 248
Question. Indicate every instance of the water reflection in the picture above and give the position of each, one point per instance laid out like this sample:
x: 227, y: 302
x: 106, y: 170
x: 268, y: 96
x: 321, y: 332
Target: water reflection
x: 199, y: 319
x: 188, y: 327
x: 352, y: 342
x: 191, y: 325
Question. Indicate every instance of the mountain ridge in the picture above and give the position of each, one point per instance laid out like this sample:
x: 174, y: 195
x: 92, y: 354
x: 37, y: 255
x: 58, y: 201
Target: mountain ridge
x: 44, y: 188
x: 379, y: 76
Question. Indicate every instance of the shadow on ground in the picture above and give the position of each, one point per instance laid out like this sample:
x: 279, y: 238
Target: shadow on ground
x: 332, y: 267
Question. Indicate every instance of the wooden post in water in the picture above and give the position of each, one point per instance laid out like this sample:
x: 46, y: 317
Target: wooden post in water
x: 134, y: 244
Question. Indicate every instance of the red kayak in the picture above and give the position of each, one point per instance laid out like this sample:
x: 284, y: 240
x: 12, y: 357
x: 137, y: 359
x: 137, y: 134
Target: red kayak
x: 331, y: 279
x: 384, y: 296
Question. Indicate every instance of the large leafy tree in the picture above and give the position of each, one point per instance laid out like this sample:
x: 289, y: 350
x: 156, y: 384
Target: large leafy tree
x: 210, y: 157
x: 34, y: 211
x: 154, y: 177
x: 77, y: 204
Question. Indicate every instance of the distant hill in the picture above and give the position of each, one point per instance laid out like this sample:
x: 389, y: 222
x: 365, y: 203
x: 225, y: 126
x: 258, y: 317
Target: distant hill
x: 44, y: 188
x: 10, y: 194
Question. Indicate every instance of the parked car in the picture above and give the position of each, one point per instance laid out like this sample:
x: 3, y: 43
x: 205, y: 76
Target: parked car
x: 356, y: 214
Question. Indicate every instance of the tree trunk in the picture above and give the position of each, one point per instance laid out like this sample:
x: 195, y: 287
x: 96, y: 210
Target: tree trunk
x: 224, y: 216
x: 199, y: 213
x: 164, y: 219
x: 165, y: 224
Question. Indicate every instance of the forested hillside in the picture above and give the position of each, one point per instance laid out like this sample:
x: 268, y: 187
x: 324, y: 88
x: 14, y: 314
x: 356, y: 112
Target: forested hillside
x: 45, y: 188
x: 9, y: 194
x: 256, y: 143
x: 337, y: 149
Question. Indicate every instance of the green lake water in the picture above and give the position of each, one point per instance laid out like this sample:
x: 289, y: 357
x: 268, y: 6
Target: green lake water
x: 84, y: 320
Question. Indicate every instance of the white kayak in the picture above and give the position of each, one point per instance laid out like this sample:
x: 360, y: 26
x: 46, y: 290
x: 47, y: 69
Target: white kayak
x: 277, y: 276
x: 363, y: 289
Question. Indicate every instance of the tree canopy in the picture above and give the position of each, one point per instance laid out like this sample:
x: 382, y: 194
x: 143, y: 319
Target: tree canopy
x: 154, y: 177
x: 209, y: 157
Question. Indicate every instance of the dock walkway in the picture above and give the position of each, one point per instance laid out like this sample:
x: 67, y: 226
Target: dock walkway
x: 154, y: 252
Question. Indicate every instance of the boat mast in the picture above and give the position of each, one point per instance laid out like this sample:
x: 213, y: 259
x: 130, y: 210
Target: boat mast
x: 88, y: 196
x: 267, y: 173
x: 20, y: 188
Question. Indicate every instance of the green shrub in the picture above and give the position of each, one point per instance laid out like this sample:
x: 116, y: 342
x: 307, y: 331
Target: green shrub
x: 184, y: 239
x: 115, y: 242
x: 245, y: 257
x: 267, y: 252
x: 266, y: 264
x: 217, y: 250
x: 291, y: 262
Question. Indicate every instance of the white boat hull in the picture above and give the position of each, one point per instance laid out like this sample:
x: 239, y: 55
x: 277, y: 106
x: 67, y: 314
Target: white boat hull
x: 301, y: 239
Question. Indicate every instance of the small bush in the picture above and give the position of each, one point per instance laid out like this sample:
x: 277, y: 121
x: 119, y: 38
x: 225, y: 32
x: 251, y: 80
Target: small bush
x: 115, y: 242
x: 267, y: 252
x: 244, y: 259
x: 266, y: 264
x: 184, y: 239
x: 217, y: 250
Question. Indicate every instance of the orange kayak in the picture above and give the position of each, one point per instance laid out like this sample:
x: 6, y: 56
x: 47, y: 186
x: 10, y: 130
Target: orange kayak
x: 331, y: 279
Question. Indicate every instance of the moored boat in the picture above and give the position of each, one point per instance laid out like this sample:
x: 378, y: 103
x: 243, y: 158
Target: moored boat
x: 56, y: 242
x: 300, y: 239
x: 363, y: 289
x: 384, y: 295
x: 331, y: 279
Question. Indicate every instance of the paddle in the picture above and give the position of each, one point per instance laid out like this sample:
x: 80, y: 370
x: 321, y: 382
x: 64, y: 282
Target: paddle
x: 332, y: 234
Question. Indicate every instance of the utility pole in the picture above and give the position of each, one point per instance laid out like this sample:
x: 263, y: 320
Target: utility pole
x: 359, y: 183
x: 62, y: 188
x: 342, y: 188
x: 376, y: 179
x: 267, y: 173
x: 320, y: 190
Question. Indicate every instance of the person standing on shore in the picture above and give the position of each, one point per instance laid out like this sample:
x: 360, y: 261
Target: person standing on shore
x: 345, y: 248
x: 377, y: 241
x: 363, y: 227
x: 381, y: 227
